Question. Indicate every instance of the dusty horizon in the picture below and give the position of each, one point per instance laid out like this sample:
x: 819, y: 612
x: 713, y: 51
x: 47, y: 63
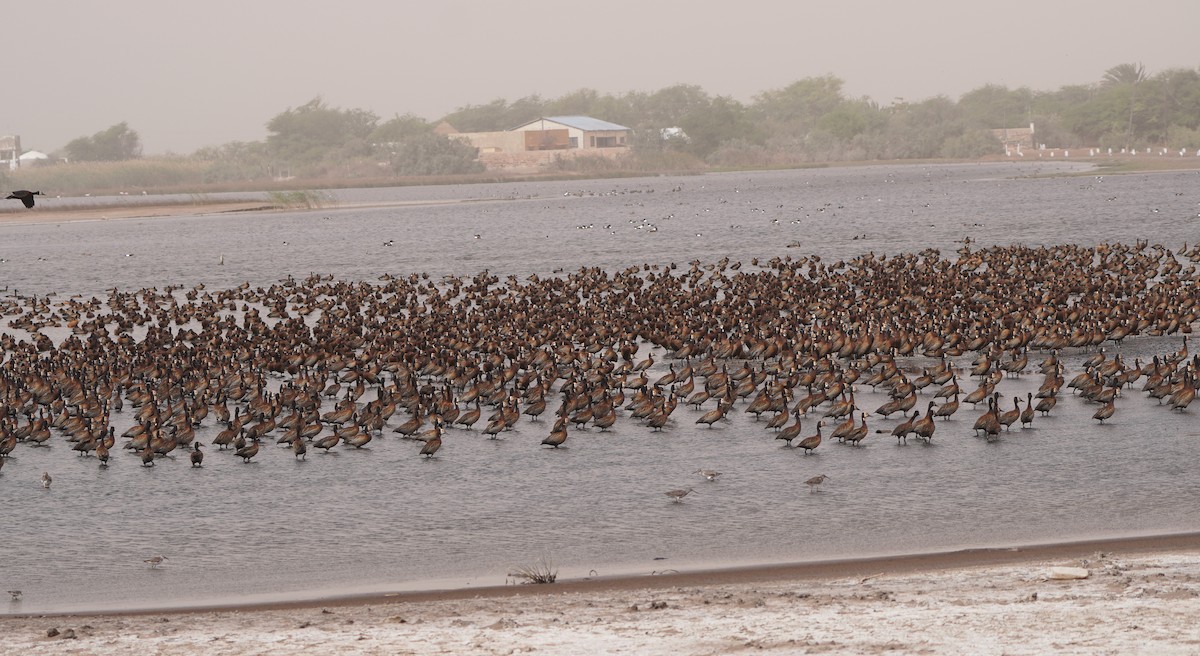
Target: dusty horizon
x: 185, y: 77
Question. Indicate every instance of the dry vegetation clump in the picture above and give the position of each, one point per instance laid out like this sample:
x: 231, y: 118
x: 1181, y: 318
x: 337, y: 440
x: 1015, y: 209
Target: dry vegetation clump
x: 543, y: 571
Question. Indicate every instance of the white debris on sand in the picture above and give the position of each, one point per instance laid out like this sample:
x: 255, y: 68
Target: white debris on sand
x: 1128, y: 604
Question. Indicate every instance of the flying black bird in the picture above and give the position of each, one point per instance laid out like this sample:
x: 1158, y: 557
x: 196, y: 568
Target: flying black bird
x: 24, y: 195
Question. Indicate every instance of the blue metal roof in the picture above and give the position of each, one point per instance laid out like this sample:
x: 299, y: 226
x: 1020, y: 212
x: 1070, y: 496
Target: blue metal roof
x: 586, y: 123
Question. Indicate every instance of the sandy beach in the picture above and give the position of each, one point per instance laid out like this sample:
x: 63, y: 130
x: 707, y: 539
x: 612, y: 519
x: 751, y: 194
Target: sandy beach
x: 1139, y: 596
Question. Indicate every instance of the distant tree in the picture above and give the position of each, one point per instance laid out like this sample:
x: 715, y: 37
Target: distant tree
x: 433, y: 154
x: 235, y: 161
x: 1062, y: 100
x: 1103, y: 120
x: 1124, y: 74
x: 1169, y: 100
x: 851, y: 119
x: 668, y: 106
x: 722, y: 120
x: 410, y: 147
x: 117, y: 143
x: 1124, y: 79
x: 497, y: 115
x: 971, y: 144
x: 920, y: 130
x: 583, y: 102
x: 478, y: 118
x: 802, y: 102
x: 589, y: 102
x: 400, y: 128
x: 995, y: 106
x: 522, y: 111
x: 313, y: 132
x: 1052, y: 129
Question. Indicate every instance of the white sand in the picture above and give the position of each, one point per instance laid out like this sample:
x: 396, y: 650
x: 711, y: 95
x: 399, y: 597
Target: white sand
x: 1135, y: 604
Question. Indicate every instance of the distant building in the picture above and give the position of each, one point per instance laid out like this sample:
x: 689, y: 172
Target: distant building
x: 570, y: 132
x: 1015, y: 138
x: 10, y: 151
x: 539, y: 141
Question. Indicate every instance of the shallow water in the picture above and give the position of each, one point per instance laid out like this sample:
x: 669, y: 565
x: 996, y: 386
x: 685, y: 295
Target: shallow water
x: 382, y: 518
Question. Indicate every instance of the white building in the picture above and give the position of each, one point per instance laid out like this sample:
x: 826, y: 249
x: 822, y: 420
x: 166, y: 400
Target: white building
x: 571, y: 132
x: 545, y: 140
x: 581, y: 133
x: 32, y: 156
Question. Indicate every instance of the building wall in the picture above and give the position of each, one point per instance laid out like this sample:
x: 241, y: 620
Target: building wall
x: 10, y: 150
x: 582, y: 138
x: 493, y: 142
x: 1013, y: 137
x: 619, y: 138
x: 574, y: 135
x: 509, y: 150
x: 537, y: 160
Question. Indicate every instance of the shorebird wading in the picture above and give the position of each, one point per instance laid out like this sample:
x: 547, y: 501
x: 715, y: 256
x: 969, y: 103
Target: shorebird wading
x: 678, y: 495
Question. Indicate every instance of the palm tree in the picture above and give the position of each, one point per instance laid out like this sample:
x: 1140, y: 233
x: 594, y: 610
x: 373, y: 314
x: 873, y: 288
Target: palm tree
x: 1123, y: 74
x: 1126, y: 75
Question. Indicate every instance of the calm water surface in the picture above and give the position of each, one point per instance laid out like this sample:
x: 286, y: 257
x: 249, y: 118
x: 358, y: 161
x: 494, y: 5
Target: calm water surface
x: 382, y: 518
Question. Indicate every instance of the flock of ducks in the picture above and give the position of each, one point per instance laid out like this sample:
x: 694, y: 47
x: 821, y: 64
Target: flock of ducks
x: 317, y: 363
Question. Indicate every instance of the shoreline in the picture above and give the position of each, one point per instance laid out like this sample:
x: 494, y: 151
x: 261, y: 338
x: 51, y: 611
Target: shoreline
x: 118, y: 212
x: 855, y: 568
x: 1137, y: 595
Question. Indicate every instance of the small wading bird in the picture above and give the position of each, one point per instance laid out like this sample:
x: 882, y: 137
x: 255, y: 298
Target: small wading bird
x: 155, y: 561
x: 23, y: 195
x: 16, y: 595
x: 815, y: 482
x: 46, y: 480
x: 678, y: 495
x: 708, y: 474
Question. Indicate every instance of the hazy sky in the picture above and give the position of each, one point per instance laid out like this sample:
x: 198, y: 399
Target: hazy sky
x: 191, y: 74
